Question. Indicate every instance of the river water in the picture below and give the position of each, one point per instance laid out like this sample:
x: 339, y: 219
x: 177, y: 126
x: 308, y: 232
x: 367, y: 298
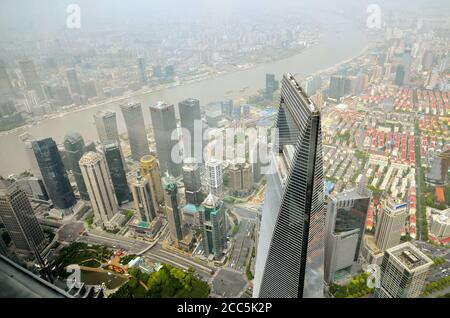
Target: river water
x: 341, y: 41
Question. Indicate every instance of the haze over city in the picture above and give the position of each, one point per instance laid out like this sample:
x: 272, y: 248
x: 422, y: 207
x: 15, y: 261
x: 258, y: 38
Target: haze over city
x: 224, y: 149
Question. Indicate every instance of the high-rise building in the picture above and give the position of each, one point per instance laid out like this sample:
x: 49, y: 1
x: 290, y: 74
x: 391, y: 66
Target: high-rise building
x: 99, y: 187
x: 18, y: 217
x: 31, y: 78
x: 137, y: 137
x: 166, y: 138
x: 53, y: 173
x: 74, y: 83
x: 192, y: 183
x: 403, y: 272
x: 141, y: 70
x: 116, y: 168
x: 191, y: 121
x: 143, y: 198
x: 75, y: 148
x: 345, y: 225
x: 400, y: 75
x: 173, y: 209
x: 149, y: 168
x: 214, y: 171
x: 6, y: 88
x: 290, y: 259
x: 390, y: 224
x: 213, y: 224
x: 27, y: 140
x: 271, y: 86
x: 240, y: 178
x: 106, y: 124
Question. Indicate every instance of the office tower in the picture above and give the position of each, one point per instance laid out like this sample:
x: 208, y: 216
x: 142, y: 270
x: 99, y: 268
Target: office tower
x: 143, y: 198
x: 192, y: 183
x: 164, y: 127
x: 390, y: 224
x: 427, y: 60
x: 149, y: 168
x: 403, y: 272
x: 339, y: 87
x: 117, y: 171
x: 142, y: 74
x: 213, y: 114
x: 227, y: 107
x: 6, y: 88
x: 27, y: 141
x: 311, y: 84
x: 34, y: 187
x: 214, y: 173
x: 31, y: 78
x: 345, y: 225
x: 106, y: 124
x: 137, y: 137
x: 191, y: 121
x: 99, y: 187
x: 290, y: 259
x: 440, y: 224
x: 400, y: 75
x: 173, y: 209
x: 53, y: 173
x: 18, y: 217
x: 75, y: 148
x: 74, y: 83
x: 271, y: 86
x: 240, y: 178
x: 213, y: 224
x: 157, y: 71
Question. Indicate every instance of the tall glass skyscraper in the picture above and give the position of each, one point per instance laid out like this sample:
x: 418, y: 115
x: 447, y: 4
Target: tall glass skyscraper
x: 53, y: 173
x: 75, y: 148
x: 164, y: 124
x: 114, y: 161
x: 137, y: 137
x: 190, y: 118
x: 290, y: 254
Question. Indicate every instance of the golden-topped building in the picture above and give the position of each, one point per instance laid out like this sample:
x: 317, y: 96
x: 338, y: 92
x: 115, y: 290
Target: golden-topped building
x: 150, y: 169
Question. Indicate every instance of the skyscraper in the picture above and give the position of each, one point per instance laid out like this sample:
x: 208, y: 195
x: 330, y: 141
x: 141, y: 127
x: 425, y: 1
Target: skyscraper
x: 137, y: 137
x: 149, y: 168
x: 116, y: 168
x: 403, y: 272
x: 290, y: 259
x: 99, y: 187
x: 192, y: 183
x: 142, y: 74
x: 106, y: 124
x: 271, y: 86
x: 31, y: 78
x: 53, y: 173
x: 18, y: 217
x: 74, y: 83
x: 240, y: 178
x: 345, y: 225
x: 190, y: 118
x: 390, y: 224
x: 164, y: 127
x: 143, y: 198
x: 75, y: 148
x: 27, y: 140
x: 213, y: 224
x: 214, y: 171
x: 173, y: 209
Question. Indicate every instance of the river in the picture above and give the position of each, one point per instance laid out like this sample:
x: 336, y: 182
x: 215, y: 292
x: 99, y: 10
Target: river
x: 340, y: 42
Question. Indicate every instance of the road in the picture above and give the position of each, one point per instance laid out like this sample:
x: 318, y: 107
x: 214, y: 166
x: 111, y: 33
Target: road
x: 154, y: 254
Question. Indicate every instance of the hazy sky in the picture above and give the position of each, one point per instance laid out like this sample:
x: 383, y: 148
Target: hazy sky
x: 48, y: 15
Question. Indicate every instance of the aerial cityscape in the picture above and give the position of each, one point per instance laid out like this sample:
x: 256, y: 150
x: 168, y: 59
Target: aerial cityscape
x: 225, y: 149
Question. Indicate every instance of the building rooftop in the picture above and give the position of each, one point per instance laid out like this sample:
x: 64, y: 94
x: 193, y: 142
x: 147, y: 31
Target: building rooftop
x: 410, y: 256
